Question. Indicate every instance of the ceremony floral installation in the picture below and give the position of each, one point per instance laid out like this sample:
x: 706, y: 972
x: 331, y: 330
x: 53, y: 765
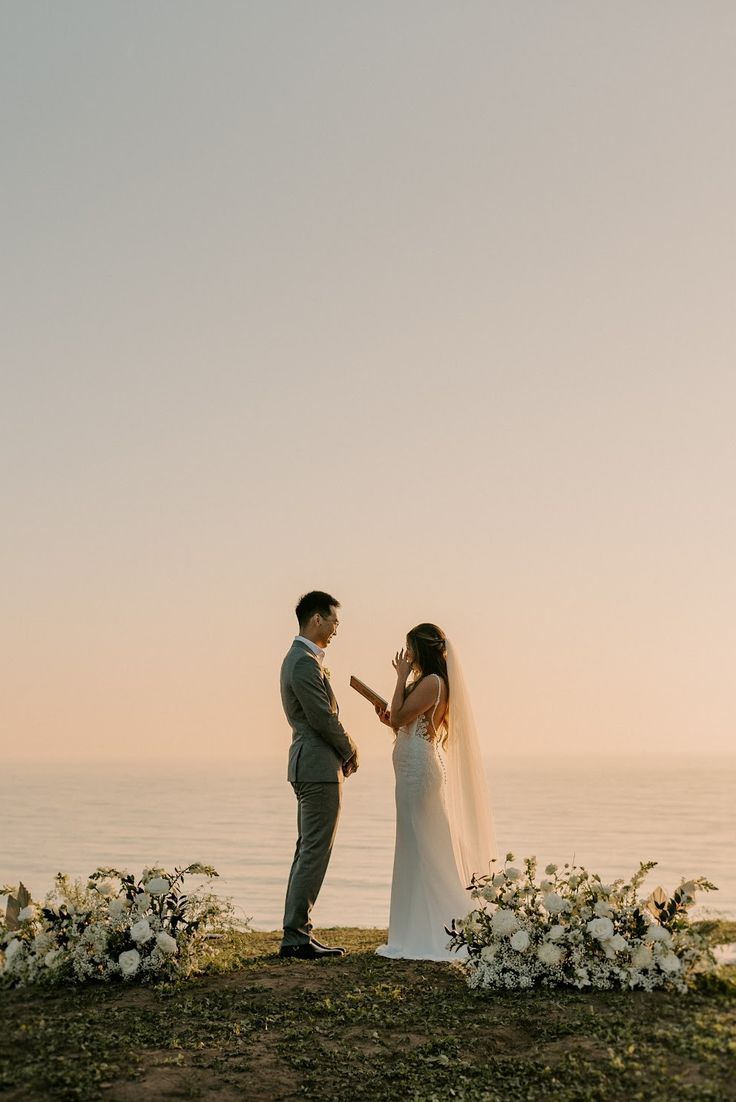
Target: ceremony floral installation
x: 114, y: 926
x: 572, y: 929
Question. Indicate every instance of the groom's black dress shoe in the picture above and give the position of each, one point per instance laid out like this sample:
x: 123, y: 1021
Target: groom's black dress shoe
x: 334, y: 948
x: 309, y: 951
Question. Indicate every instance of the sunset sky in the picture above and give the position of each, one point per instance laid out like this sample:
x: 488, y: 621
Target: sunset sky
x: 427, y: 304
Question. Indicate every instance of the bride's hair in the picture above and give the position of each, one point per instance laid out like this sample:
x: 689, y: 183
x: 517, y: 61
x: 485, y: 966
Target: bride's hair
x: 429, y: 645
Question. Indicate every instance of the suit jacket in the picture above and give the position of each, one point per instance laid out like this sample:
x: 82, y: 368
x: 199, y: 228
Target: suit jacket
x: 319, y: 742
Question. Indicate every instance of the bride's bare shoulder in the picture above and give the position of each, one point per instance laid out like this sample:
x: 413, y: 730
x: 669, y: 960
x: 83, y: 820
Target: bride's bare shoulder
x: 427, y: 687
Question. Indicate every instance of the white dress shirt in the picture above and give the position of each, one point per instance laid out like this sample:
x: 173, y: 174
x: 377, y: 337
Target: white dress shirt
x: 313, y: 647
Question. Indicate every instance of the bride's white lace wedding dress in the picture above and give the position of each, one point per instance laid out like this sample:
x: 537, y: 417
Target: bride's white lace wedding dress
x: 427, y: 891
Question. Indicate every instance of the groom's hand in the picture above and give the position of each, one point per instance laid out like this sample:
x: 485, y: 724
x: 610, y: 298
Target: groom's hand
x: 350, y: 766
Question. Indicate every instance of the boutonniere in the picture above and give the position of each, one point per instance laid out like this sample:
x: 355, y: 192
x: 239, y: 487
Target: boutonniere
x: 326, y: 672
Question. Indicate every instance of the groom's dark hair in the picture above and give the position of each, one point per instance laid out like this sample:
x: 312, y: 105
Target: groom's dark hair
x: 316, y: 601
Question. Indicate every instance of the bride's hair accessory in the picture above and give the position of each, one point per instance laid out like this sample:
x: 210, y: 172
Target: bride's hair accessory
x: 432, y: 637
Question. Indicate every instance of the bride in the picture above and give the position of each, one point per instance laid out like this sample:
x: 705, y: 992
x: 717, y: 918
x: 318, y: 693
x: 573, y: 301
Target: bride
x: 443, y: 821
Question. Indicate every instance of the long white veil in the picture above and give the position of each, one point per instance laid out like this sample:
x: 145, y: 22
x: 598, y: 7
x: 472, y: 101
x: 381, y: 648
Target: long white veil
x: 468, y: 801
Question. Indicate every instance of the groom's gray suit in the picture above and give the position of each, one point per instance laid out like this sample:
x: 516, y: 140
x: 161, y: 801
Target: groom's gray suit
x: 320, y: 746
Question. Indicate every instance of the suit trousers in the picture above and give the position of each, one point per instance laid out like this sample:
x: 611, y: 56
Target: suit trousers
x: 318, y: 811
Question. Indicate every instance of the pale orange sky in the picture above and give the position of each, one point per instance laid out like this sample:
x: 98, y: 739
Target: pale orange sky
x: 428, y: 305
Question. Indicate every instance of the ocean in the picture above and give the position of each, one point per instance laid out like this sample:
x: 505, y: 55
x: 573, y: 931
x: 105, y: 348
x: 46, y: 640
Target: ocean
x: 240, y: 817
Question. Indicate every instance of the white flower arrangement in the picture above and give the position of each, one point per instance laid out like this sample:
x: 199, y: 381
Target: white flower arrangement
x: 115, y: 926
x: 572, y: 929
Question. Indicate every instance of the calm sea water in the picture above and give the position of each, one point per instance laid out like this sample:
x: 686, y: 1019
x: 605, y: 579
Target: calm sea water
x: 240, y: 817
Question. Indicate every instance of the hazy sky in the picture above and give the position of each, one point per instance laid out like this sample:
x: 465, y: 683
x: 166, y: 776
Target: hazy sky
x: 427, y: 304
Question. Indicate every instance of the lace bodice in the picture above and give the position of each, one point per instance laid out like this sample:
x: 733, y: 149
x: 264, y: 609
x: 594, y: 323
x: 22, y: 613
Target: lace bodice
x: 423, y: 725
x: 416, y: 748
x: 422, y: 728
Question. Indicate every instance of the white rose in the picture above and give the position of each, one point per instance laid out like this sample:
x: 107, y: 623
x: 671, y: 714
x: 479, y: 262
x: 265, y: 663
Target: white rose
x: 157, y: 886
x: 658, y: 933
x: 104, y: 887
x: 488, y: 952
x: 602, y: 909
x: 551, y: 870
x: 140, y: 931
x: 129, y: 962
x: 490, y: 893
x: 549, y: 954
x: 513, y: 874
x: 27, y: 914
x: 618, y: 943
x: 600, y: 928
x: 670, y: 962
x: 166, y: 943
x: 556, y: 932
x: 51, y: 957
x: 13, y: 950
x: 520, y: 941
x: 143, y: 901
x: 642, y: 957
x: 554, y: 903
x: 504, y: 923
x: 498, y: 879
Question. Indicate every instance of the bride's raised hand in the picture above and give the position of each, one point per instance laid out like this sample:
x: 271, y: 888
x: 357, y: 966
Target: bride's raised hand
x: 401, y: 664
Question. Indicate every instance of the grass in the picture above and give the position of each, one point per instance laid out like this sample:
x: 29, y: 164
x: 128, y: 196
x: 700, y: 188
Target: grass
x: 363, y: 1028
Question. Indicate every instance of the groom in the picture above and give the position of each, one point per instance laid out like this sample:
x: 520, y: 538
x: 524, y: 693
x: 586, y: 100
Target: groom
x: 321, y: 754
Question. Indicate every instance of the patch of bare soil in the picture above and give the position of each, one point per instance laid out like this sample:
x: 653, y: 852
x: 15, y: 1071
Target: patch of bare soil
x: 270, y: 1080
x: 259, y: 1077
x: 556, y: 1051
x: 284, y: 977
x: 503, y: 1040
